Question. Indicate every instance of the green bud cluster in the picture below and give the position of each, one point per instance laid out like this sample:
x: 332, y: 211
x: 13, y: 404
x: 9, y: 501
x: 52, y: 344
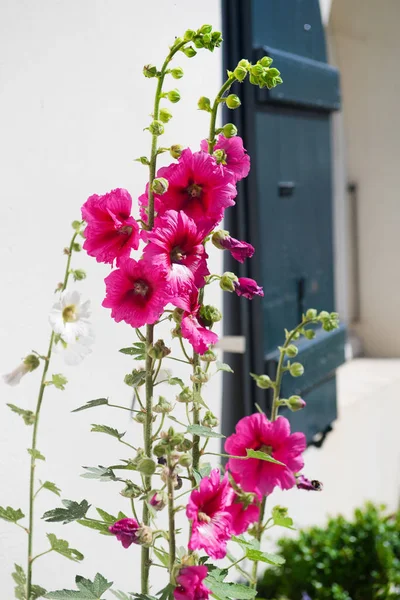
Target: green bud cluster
x: 199, y: 376
x: 261, y: 74
x: 210, y: 314
x: 204, y: 37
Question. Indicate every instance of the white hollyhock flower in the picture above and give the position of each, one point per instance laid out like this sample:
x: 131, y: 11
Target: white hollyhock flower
x: 74, y: 353
x: 30, y: 363
x: 69, y: 317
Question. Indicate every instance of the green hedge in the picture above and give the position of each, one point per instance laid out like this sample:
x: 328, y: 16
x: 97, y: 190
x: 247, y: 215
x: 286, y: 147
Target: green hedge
x: 346, y: 560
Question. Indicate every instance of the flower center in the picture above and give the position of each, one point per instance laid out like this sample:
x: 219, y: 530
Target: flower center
x: 203, y: 517
x: 220, y: 156
x: 68, y: 314
x: 194, y: 190
x: 140, y: 288
x: 266, y: 449
x: 125, y: 230
x: 177, y: 255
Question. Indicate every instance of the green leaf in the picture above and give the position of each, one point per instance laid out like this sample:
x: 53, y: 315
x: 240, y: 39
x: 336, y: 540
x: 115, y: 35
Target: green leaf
x: 62, y: 547
x: 101, y: 473
x: 262, y: 456
x: 245, y: 544
x: 280, y: 518
x: 72, y: 512
x: 92, y: 404
x: 10, y: 514
x: 49, y: 485
x: 266, y: 557
x: 137, y: 349
x: 108, y: 430
x: 37, y: 591
x: 88, y: 590
x: 221, y: 366
x: 163, y: 557
x: 176, y: 381
x: 20, y: 579
x: 36, y: 454
x: 59, y: 381
x: 27, y: 415
x: 121, y: 595
x: 102, y: 528
x: 225, y: 591
x: 166, y: 592
x: 107, y: 517
x: 203, y: 431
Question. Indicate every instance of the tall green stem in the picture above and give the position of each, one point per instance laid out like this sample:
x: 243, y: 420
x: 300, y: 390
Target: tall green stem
x: 214, y: 111
x: 31, y: 516
x: 171, y: 520
x: 145, y: 559
x: 258, y: 538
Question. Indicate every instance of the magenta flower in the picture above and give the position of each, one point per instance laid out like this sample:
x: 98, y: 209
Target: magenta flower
x: 111, y: 232
x: 192, y: 327
x: 239, y: 250
x: 234, y: 157
x: 198, y: 186
x: 211, y: 519
x: 256, y: 432
x: 136, y: 293
x: 175, y: 246
x: 125, y: 530
x: 248, y: 288
x: 190, y: 584
x: 305, y: 484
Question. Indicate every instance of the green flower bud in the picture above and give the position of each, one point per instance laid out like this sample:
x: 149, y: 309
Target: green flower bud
x: 229, y: 130
x: 210, y: 420
x: 266, y: 61
x: 240, y: 73
x: 257, y: 70
x: 160, y: 449
x: 323, y: 315
x: 159, y: 185
x: 176, y: 332
x: 76, y: 247
x: 205, y: 29
x: 185, y: 460
x: 295, y: 403
x: 144, y: 535
x: 311, y: 313
x: 199, y: 376
x: 156, y: 128
x: 176, y: 440
x: 216, y: 39
x: 204, y: 104
x: 210, y: 314
x: 163, y: 406
x: 158, y: 499
x: 185, y: 396
x: 147, y: 466
x: 208, y: 356
x: 177, y: 315
x: 227, y: 281
x: 189, y: 51
x: 189, y: 35
x: 253, y: 79
x: 159, y: 350
x: 263, y: 381
x: 296, y: 369
x: 79, y: 274
x: 272, y: 73
x: 174, y: 96
x: 185, y: 446
x: 233, y: 101
x: 218, y: 237
x: 140, y: 417
x: 176, y: 150
x: 149, y: 71
x: 220, y: 156
x: 131, y: 490
x: 76, y: 225
x: 177, y: 73
x: 165, y: 115
x: 292, y: 351
x: 309, y: 334
x: 31, y: 362
x: 198, y: 41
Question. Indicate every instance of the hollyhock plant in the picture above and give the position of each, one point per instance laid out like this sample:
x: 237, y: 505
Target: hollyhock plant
x: 231, y: 154
x: 192, y: 328
x: 126, y: 531
x: 69, y: 317
x: 198, y: 186
x: 248, y: 288
x: 239, y: 250
x: 190, y: 583
x: 256, y: 432
x: 175, y: 246
x: 111, y: 231
x: 136, y: 293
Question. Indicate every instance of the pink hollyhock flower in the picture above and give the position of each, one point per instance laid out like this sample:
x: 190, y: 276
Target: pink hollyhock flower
x: 305, y: 484
x: 111, y: 232
x: 190, y: 584
x: 136, y: 293
x: 211, y: 519
x: 231, y: 154
x: 248, y: 288
x: 243, y: 514
x: 256, y: 432
x: 192, y: 327
x: 239, y: 250
x: 126, y: 531
x: 198, y: 186
x: 175, y: 246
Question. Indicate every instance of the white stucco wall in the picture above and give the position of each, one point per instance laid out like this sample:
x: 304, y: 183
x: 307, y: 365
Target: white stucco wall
x: 73, y: 105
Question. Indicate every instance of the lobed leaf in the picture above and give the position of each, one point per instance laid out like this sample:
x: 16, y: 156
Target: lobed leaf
x: 92, y: 404
x: 59, y: 381
x: 108, y: 430
x: 27, y: 415
x: 203, y: 431
x: 11, y: 514
x: 266, y: 557
x: 62, y: 547
x: 51, y: 487
x: 101, y: 473
x: 36, y: 454
x: 87, y: 590
x: 262, y: 456
x: 73, y: 511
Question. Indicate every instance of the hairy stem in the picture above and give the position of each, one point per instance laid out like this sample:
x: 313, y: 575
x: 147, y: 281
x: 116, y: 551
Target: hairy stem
x: 258, y: 538
x: 214, y: 111
x: 171, y: 520
x: 32, y: 495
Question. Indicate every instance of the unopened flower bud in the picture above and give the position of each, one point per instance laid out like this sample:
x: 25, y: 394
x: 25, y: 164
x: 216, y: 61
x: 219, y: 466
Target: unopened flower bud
x: 144, y: 535
x: 199, y: 376
x: 210, y: 314
x: 240, y: 73
x: 295, y: 403
x: 29, y: 364
x: 185, y: 396
x: 147, y: 466
x: 177, y: 315
x: 311, y: 313
x: 176, y: 332
x: 227, y: 281
x: 324, y: 314
x: 210, y: 420
x: 257, y: 70
x: 218, y: 237
x: 229, y: 130
x: 292, y: 351
x: 159, y: 185
x: 163, y: 406
x: 174, y: 96
x: 185, y: 446
x: 159, y: 350
x: 220, y: 156
x: 160, y: 450
x: 205, y: 29
x: 263, y: 381
x: 266, y: 61
x: 140, y: 417
x: 189, y: 51
x: 176, y: 150
x: 296, y: 369
x: 149, y: 71
x: 165, y: 115
x: 158, y: 500
x: 156, y: 128
x: 204, y: 104
x: 131, y: 490
x: 305, y: 484
x: 185, y: 460
x: 233, y: 101
x: 76, y: 225
x: 309, y: 334
x: 177, y: 73
x: 78, y: 274
x: 189, y: 35
x: 208, y: 356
